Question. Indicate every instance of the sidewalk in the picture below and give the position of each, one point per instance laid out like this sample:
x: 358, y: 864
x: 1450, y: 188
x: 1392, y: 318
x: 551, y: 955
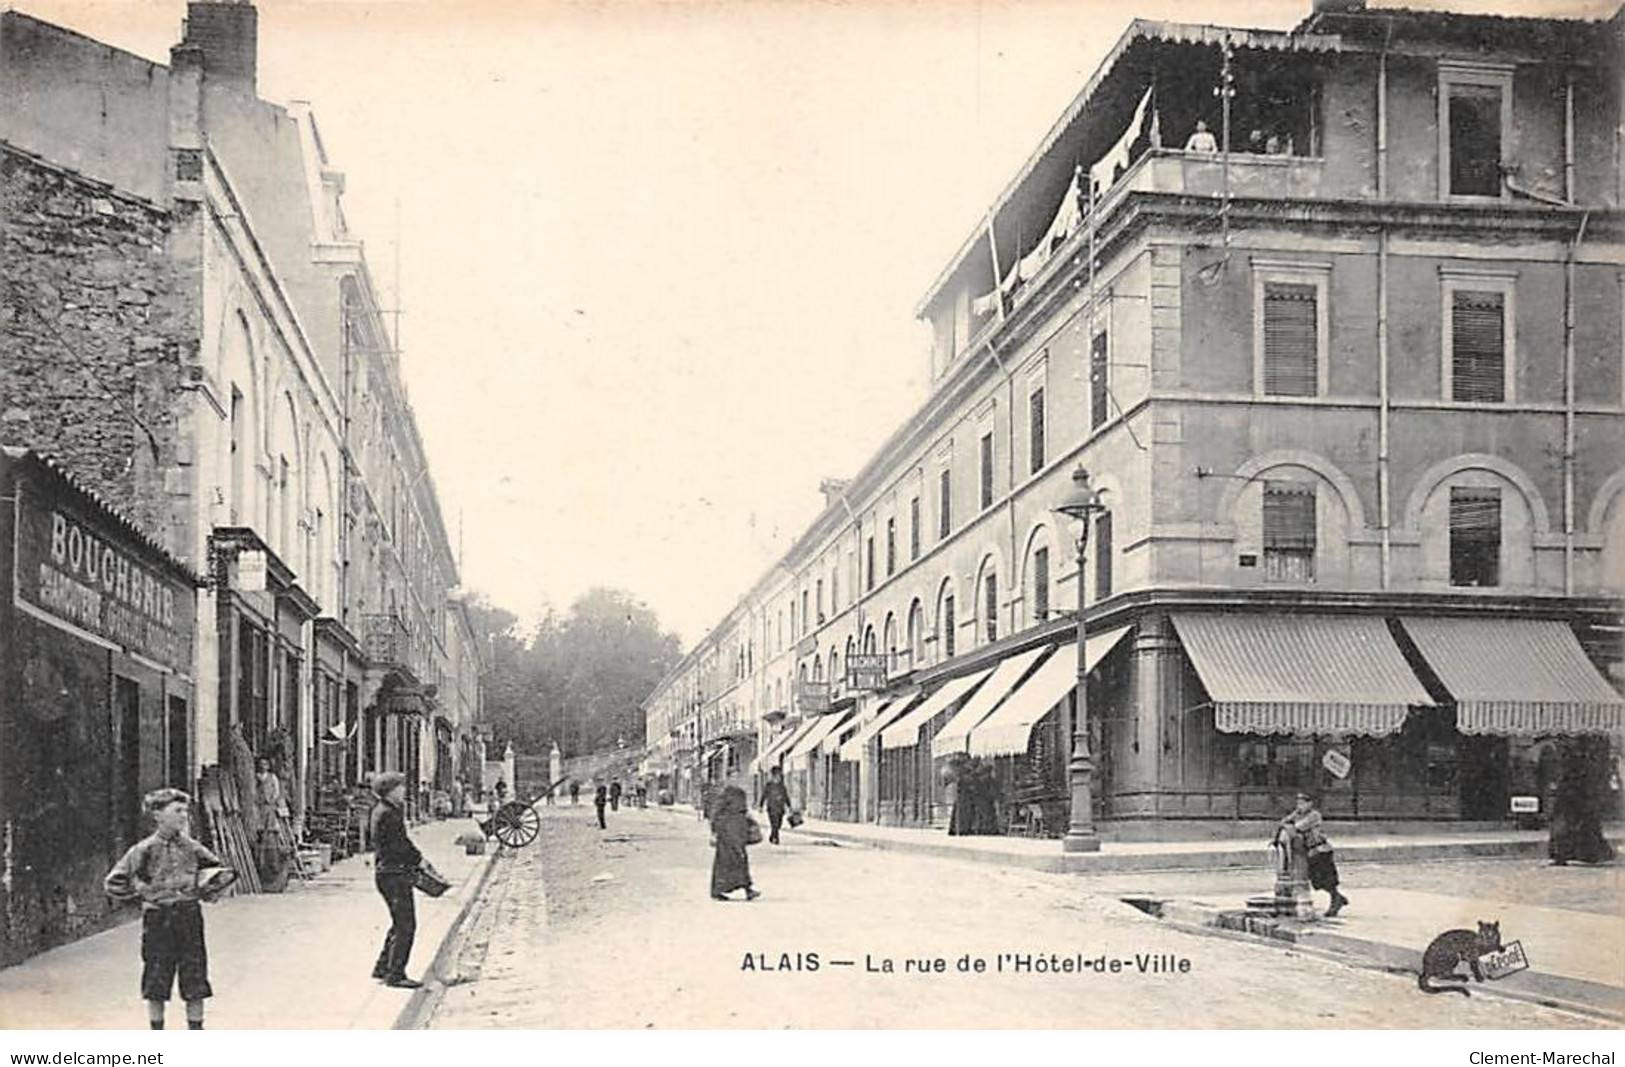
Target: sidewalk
x: 298, y: 960
x: 1576, y: 959
x: 1043, y: 854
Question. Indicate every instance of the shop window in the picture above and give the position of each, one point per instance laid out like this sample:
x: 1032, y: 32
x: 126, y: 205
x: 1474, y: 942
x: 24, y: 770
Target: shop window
x: 1289, y: 531
x: 1035, y: 428
x: 990, y: 606
x: 914, y: 528
x: 987, y: 471
x: 1099, y: 381
x: 1276, y: 763
x: 1475, y: 536
x: 1478, y: 348
x: 1290, y: 338
x: 1041, y: 584
x: 1103, y: 556
x: 945, y: 502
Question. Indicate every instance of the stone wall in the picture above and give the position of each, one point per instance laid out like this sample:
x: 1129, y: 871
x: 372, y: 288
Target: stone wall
x: 96, y: 329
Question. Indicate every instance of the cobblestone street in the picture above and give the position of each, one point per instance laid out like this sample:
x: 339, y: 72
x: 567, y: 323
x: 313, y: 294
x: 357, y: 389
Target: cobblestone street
x: 614, y: 929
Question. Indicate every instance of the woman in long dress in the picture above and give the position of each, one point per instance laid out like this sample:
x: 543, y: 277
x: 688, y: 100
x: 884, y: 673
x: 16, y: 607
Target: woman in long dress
x: 730, y: 832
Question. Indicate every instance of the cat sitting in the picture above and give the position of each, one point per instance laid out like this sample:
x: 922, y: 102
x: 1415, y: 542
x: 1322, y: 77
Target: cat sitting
x: 1447, y: 951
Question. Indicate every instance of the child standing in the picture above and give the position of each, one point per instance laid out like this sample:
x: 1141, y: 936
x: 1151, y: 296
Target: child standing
x: 161, y: 871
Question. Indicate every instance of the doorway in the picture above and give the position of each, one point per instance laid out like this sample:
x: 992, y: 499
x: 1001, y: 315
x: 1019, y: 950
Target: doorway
x: 127, y: 742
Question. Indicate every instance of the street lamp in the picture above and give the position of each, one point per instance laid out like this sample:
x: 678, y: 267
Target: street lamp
x: 1082, y: 503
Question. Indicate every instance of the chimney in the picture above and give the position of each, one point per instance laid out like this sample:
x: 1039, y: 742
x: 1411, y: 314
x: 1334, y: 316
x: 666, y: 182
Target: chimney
x: 833, y: 490
x: 227, y: 33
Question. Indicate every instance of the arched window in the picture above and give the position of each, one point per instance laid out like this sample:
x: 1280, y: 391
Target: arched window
x: 891, y: 642
x: 835, y: 666
x: 947, y: 622
x: 869, y: 641
x: 818, y: 668
x: 987, y: 599
x: 916, y: 635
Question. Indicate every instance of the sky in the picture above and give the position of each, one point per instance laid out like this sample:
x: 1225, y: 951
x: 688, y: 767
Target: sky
x: 658, y: 262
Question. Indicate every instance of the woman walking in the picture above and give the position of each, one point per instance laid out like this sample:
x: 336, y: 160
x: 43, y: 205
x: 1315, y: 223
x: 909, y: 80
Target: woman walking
x: 731, y: 832
x: 395, y: 860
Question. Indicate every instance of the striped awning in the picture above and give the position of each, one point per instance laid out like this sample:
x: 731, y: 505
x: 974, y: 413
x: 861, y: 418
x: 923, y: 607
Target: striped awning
x: 906, y: 731
x: 1340, y: 675
x: 853, y: 748
x: 1517, y: 677
x: 769, y: 755
x: 955, y: 734
x: 1007, y: 731
x: 823, y: 726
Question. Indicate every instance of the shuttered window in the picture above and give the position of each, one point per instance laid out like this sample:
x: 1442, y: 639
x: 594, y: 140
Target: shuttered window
x: 990, y: 605
x: 1041, y: 585
x: 914, y: 528
x: 1035, y: 421
x: 945, y: 503
x: 1291, y: 339
x: 1103, y: 557
x: 1478, y: 346
x: 1475, y: 537
x: 948, y: 626
x: 1289, y: 531
x: 1475, y: 140
x: 869, y: 558
x: 891, y: 547
x: 987, y: 470
x: 1099, y: 381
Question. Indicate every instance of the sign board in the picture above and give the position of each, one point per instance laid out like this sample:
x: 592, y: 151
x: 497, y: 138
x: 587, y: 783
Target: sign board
x: 251, y: 571
x: 78, y: 574
x: 866, y: 670
x: 812, y: 696
x: 1525, y: 805
x: 1337, y: 763
x: 1509, y: 960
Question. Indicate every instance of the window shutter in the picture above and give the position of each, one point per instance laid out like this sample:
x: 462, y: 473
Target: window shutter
x: 1041, y: 585
x: 1475, y: 536
x: 1103, y: 557
x: 1478, y: 346
x: 1036, y: 418
x: 1289, y: 516
x: 1099, y: 380
x: 1291, y: 323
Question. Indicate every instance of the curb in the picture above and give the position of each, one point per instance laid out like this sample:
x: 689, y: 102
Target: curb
x: 421, y: 1003
x: 1546, y: 990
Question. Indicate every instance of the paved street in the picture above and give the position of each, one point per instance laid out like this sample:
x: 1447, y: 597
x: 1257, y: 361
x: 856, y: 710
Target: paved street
x: 590, y: 929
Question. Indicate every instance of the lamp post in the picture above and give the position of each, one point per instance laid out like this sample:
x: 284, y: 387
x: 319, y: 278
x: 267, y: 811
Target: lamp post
x: 1082, y: 504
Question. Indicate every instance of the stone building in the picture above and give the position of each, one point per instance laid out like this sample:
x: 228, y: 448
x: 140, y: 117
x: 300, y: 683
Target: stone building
x: 189, y: 327
x: 1333, y: 317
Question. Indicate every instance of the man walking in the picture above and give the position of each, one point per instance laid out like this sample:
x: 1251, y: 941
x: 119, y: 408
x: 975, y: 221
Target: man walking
x: 615, y: 795
x: 600, y: 797
x: 575, y: 791
x: 776, y: 799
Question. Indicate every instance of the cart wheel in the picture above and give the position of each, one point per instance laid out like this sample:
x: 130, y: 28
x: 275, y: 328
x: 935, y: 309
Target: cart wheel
x: 517, y: 824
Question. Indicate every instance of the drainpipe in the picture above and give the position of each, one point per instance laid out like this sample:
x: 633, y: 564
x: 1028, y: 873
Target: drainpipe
x: 1568, y: 403
x: 1384, y: 473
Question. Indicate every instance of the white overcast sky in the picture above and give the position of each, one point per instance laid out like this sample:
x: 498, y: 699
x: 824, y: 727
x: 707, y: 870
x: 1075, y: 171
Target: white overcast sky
x: 658, y: 261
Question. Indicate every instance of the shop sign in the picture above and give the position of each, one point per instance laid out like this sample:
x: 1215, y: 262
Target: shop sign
x: 1337, y: 763
x: 1525, y: 805
x: 71, y: 573
x: 252, y: 568
x: 866, y: 670
x: 812, y: 696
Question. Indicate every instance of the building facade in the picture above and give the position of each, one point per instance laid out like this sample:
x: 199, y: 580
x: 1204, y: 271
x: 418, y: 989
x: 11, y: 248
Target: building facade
x: 191, y: 329
x: 1333, y: 318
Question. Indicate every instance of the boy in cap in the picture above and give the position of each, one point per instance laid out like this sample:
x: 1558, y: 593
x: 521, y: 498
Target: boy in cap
x: 1305, y: 820
x: 161, y: 871
x: 395, y: 863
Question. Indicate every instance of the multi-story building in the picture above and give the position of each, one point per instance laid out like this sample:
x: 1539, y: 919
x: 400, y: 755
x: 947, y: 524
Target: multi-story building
x: 190, y: 329
x: 1333, y: 318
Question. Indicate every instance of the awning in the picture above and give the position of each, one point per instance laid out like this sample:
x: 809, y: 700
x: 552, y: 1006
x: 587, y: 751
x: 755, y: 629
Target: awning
x: 779, y: 744
x: 953, y: 735
x: 906, y: 731
x: 1006, y: 731
x: 821, y: 729
x: 1301, y: 674
x: 1517, y: 677
x: 853, y: 749
x: 869, y: 708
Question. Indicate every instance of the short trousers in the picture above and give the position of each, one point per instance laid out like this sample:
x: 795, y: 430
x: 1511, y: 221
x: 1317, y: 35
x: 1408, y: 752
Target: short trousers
x: 171, y: 945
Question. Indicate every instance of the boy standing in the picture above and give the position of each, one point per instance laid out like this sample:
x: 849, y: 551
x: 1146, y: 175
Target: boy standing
x: 161, y: 871
x: 1304, y: 819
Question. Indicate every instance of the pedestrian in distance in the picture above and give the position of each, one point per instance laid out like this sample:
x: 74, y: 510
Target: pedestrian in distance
x: 643, y: 795
x: 1305, y: 820
x: 600, y: 797
x: 395, y: 862
x: 776, y: 799
x: 575, y: 791
x: 162, y: 871
x: 502, y: 792
x: 732, y: 831
x: 615, y: 795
